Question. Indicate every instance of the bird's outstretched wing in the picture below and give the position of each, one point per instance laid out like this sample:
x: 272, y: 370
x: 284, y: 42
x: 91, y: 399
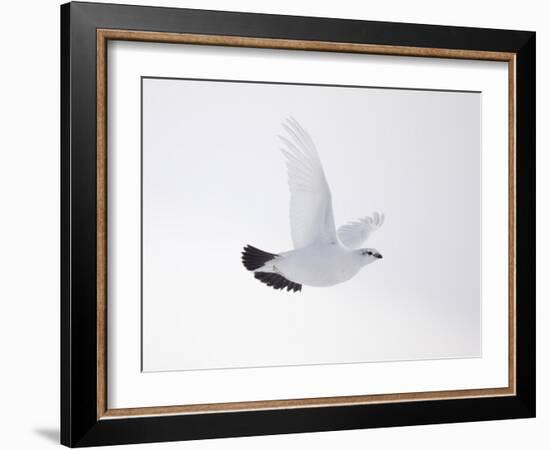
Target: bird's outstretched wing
x: 311, y: 217
x: 353, y: 234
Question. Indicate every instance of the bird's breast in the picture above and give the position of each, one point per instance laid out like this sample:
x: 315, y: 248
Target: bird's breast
x: 321, y: 266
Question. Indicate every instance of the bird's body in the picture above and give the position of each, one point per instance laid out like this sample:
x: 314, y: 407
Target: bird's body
x: 322, y: 256
x: 316, y: 265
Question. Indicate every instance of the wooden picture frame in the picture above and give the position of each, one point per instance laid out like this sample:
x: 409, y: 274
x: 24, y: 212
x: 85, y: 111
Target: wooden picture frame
x: 86, y: 418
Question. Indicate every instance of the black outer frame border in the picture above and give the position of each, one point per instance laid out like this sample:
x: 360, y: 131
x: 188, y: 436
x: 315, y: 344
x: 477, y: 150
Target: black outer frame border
x: 79, y: 425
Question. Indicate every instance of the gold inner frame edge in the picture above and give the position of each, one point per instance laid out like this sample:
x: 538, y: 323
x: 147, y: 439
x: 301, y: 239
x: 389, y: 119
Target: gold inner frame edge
x: 103, y: 36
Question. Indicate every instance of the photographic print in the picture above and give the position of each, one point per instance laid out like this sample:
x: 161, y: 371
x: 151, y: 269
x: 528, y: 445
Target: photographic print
x: 293, y: 224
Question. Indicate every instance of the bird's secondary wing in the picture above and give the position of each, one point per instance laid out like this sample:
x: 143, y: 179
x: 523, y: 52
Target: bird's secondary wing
x: 311, y: 217
x: 353, y: 234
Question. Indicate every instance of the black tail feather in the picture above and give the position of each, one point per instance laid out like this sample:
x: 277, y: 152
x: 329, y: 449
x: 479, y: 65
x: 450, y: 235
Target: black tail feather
x: 253, y: 258
x: 277, y: 281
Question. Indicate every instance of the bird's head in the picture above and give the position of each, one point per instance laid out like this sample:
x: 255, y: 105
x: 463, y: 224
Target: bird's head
x: 368, y: 255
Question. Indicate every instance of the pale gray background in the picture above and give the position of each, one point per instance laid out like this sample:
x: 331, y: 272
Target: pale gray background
x: 214, y: 180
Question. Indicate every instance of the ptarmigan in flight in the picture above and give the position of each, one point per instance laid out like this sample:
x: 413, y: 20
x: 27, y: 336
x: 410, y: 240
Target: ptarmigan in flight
x: 322, y: 256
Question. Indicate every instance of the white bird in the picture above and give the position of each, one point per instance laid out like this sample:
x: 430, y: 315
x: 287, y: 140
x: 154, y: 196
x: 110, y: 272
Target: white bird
x: 322, y: 256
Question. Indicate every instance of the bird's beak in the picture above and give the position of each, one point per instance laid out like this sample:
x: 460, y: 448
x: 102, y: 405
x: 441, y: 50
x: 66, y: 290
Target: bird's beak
x: 378, y: 255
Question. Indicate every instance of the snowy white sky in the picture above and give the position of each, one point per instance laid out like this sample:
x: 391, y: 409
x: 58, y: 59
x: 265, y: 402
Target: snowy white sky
x: 214, y: 181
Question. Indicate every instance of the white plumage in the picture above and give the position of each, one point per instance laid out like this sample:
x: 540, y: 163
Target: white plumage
x: 353, y: 234
x: 322, y: 256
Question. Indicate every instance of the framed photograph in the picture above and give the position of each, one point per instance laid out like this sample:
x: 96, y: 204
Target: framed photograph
x: 277, y: 224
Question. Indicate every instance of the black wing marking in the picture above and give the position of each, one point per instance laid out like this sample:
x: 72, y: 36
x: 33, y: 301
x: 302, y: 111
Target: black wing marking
x: 277, y: 281
x: 253, y: 258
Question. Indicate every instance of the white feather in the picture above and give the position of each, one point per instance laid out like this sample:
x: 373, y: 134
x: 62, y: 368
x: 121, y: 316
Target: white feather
x: 355, y: 233
x: 311, y: 216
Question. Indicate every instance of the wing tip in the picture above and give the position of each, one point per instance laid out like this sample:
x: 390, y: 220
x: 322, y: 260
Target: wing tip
x: 277, y: 281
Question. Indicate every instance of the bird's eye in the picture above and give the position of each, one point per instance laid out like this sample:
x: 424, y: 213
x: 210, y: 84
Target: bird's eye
x: 369, y: 253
